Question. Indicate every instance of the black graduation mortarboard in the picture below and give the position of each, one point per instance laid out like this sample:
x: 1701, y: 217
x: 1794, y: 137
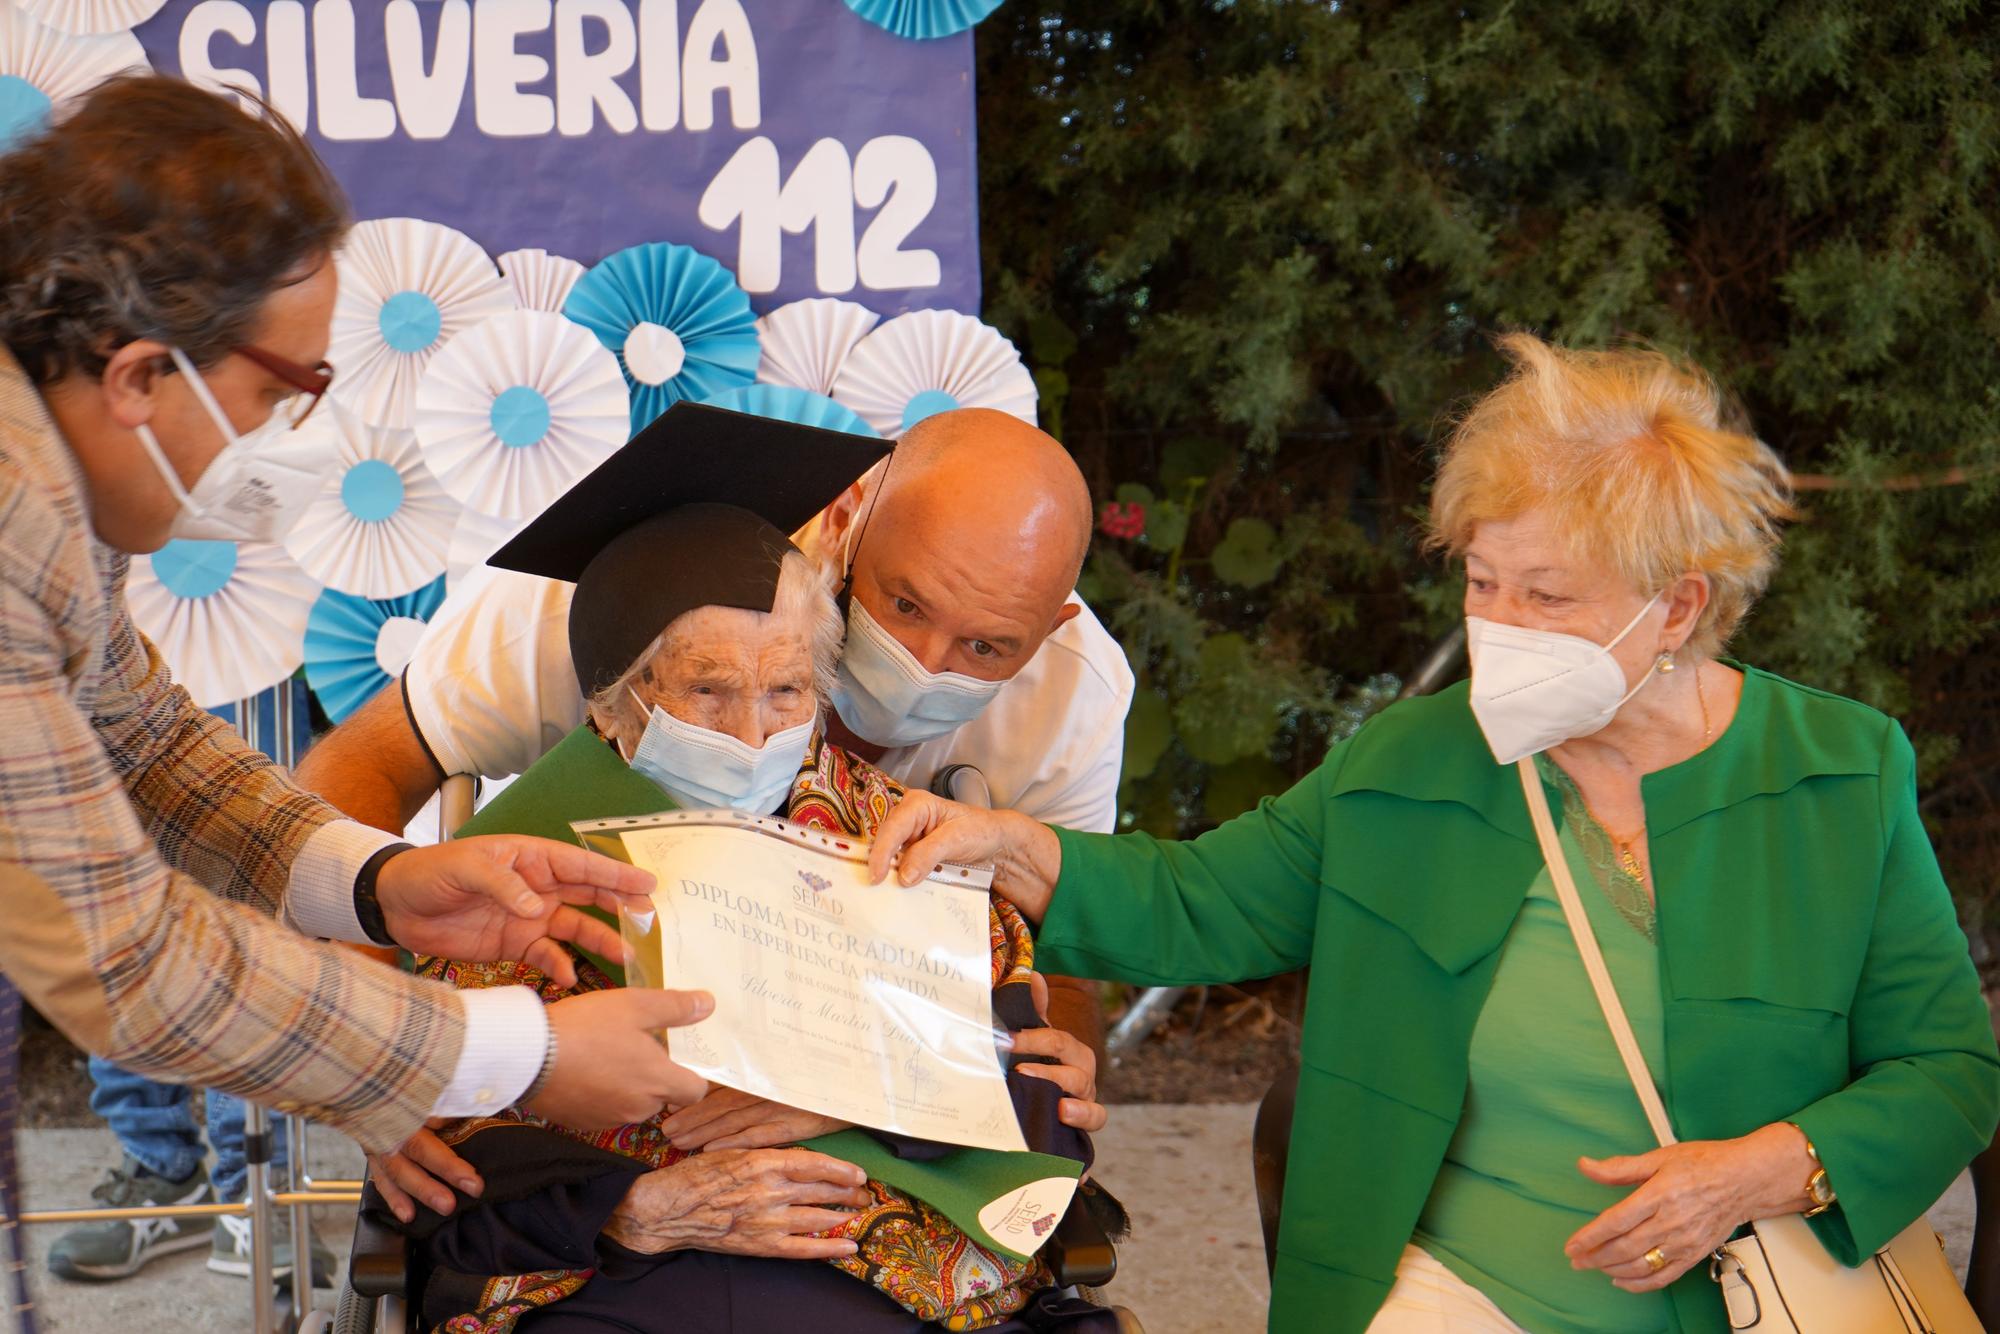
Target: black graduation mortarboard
x: 694, y: 511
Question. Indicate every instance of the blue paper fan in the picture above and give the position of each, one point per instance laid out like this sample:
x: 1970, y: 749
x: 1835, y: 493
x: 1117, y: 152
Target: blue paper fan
x: 921, y: 19
x: 680, y: 325
x: 786, y: 404
x: 355, y: 646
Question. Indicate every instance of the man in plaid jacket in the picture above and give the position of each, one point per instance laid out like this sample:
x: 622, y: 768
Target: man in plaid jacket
x: 166, y: 285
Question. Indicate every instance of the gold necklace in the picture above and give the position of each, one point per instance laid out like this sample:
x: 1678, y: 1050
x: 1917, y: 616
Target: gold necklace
x: 1701, y: 698
x: 1628, y: 860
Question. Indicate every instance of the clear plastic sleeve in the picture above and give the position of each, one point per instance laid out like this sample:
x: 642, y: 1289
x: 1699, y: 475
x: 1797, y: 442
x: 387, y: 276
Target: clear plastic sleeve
x: 870, y: 1003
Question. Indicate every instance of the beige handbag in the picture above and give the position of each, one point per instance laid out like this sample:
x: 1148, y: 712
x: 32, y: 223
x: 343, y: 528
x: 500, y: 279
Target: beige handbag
x: 1776, y: 1278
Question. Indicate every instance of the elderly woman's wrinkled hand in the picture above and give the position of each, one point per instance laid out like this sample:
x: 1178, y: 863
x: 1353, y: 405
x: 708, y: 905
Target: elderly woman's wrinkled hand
x: 731, y: 1119
x: 767, y: 1202
x: 1691, y: 1197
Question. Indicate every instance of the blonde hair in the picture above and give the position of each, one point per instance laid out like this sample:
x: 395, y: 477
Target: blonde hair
x: 805, y: 593
x: 1632, y: 454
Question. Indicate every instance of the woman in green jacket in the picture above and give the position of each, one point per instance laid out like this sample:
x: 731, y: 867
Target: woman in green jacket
x: 1468, y: 1152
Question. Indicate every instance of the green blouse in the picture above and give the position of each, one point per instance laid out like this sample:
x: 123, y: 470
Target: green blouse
x: 1545, y: 1087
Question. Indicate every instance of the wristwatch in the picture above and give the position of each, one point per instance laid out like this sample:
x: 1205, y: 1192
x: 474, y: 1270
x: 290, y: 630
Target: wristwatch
x: 1818, y: 1188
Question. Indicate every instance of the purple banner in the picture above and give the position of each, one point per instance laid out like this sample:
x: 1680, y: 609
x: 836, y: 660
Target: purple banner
x: 809, y: 151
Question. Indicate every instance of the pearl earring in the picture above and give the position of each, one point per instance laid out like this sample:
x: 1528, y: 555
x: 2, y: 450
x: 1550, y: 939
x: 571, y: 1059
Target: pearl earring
x: 1665, y: 664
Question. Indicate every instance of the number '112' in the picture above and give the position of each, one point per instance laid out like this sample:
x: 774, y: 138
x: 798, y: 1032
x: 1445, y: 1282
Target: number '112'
x: 894, y: 173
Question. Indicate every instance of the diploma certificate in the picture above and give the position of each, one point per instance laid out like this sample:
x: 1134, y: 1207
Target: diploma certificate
x: 870, y: 1003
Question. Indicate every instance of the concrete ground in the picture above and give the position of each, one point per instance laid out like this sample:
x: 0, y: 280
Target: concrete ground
x: 1194, y: 1264
x: 58, y: 1168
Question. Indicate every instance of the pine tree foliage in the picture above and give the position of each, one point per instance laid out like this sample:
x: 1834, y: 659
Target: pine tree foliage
x: 1256, y: 252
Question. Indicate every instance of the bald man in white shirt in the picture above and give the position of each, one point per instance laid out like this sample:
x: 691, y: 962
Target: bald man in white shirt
x: 964, y: 548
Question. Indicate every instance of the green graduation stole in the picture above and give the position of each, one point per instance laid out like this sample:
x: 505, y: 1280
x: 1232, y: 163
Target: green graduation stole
x: 1007, y: 1202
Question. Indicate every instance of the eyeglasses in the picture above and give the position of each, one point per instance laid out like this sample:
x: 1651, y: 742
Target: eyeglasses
x: 312, y: 382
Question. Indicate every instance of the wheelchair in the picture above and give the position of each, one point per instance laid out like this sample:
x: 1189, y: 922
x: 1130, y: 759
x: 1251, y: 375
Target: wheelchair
x: 382, y: 1292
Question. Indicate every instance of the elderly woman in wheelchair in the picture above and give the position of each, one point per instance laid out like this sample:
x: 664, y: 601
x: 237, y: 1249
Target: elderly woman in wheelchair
x: 704, y: 1216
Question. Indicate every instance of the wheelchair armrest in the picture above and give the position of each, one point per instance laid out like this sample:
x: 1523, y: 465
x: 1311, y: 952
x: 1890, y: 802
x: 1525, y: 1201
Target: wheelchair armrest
x: 1080, y: 1252
x: 380, y: 1264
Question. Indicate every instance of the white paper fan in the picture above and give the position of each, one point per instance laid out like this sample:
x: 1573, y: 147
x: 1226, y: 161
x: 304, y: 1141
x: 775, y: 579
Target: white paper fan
x: 518, y: 407
x: 805, y: 344
x: 382, y: 525
x: 229, y: 618
x: 541, y: 281
x: 931, y: 361
x: 41, y: 68
x: 476, y: 537
x: 406, y: 289
x: 92, y: 16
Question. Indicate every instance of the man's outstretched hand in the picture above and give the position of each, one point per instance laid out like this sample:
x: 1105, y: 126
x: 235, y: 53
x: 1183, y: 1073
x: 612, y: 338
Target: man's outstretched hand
x: 508, y: 896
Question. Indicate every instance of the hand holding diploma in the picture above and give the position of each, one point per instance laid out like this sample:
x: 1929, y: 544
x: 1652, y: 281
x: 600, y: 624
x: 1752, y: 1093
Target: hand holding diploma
x: 925, y: 831
x: 611, y: 1069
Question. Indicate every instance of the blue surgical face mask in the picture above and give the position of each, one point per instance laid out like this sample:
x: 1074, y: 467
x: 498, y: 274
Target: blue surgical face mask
x: 704, y: 770
x: 884, y: 695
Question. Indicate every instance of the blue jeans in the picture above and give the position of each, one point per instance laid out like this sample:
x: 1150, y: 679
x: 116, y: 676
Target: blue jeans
x: 155, y: 1124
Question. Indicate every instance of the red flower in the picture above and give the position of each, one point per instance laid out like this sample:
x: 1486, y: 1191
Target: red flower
x: 1125, y: 520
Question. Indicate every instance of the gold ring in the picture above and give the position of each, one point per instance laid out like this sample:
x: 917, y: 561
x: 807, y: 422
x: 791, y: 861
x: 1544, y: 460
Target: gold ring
x: 1656, y: 1259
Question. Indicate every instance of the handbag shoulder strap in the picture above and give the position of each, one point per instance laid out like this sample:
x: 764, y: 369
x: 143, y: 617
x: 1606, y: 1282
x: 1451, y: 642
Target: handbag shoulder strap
x: 1593, y: 958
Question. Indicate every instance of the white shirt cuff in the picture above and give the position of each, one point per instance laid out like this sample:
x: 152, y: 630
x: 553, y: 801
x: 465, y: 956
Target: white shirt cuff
x: 506, y: 1037
x: 319, y: 898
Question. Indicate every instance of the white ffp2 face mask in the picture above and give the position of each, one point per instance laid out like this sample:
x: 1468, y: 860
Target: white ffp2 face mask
x: 255, y: 489
x: 884, y: 695
x: 703, y: 770
x: 1533, y: 689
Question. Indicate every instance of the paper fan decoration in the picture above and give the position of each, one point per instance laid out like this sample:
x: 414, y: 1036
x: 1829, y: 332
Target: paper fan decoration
x: 786, y: 404
x: 805, y: 344
x: 355, y: 646
x: 921, y: 19
x: 541, y: 281
x: 932, y: 361
x: 92, y: 17
x: 476, y: 537
x: 517, y: 408
x: 382, y: 525
x: 41, y: 68
x: 229, y: 619
x: 680, y: 325
x: 406, y: 289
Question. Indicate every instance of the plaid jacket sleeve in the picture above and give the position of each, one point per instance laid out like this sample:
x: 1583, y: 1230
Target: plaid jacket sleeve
x: 135, y: 959
x: 213, y: 805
